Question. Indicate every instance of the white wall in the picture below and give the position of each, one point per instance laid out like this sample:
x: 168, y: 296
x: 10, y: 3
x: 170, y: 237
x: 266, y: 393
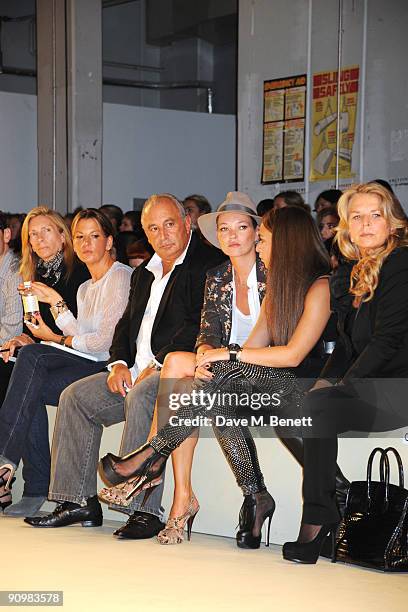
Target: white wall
x: 150, y: 150
x: 18, y: 152
x: 273, y: 43
x: 145, y: 151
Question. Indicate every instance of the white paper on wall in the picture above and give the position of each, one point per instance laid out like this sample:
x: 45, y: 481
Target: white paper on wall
x: 399, y: 145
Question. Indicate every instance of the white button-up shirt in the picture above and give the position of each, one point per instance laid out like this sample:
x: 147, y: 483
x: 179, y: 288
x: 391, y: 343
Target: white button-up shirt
x: 144, y: 354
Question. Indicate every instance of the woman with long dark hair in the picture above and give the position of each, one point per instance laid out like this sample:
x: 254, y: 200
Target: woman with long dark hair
x: 280, y: 348
x: 364, y: 384
x: 41, y: 371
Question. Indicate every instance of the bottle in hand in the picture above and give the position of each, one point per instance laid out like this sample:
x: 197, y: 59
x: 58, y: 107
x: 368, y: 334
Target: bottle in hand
x: 30, y: 305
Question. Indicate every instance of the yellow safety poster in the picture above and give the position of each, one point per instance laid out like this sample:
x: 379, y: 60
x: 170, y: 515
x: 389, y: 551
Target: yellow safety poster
x: 324, y: 123
x: 284, y: 129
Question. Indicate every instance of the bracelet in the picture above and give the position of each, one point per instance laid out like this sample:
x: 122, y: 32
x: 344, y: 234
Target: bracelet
x: 58, y: 309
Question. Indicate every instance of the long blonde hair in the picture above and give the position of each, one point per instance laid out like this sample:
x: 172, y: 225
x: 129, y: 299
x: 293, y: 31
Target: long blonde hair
x: 29, y: 259
x: 365, y: 273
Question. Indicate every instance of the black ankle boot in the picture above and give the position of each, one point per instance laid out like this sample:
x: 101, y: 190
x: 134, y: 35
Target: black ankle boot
x: 69, y: 513
x: 253, y: 510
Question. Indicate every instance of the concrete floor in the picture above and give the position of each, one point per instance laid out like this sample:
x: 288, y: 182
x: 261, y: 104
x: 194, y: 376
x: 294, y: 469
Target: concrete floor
x: 98, y: 572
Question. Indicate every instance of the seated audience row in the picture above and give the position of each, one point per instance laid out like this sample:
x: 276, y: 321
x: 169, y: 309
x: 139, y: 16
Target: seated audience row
x: 373, y: 232
x: 152, y: 349
x: 73, y: 313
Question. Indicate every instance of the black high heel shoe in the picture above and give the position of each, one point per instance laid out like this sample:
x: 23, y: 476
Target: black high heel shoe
x: 148, y: 472
x: 308, y: 552
x: 248, y: 515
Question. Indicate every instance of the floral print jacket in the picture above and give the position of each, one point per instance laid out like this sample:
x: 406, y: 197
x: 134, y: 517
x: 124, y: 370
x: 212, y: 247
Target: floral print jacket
x: 216, y: 314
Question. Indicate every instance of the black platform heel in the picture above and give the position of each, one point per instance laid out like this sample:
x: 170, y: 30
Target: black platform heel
x: 109, y: 462
x: 247, y: 519
x: 308, y: 552
x: 145, y: 478
x: 107, y: 468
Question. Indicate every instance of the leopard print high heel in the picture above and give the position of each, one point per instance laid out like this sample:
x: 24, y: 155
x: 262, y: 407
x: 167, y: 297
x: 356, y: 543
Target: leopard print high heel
x: 173, y: 533
x: 5, y: 485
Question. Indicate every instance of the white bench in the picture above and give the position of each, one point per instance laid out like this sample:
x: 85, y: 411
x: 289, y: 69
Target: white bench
x: 218, y: 494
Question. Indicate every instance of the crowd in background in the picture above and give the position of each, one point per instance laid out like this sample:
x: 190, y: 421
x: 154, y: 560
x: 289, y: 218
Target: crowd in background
x: 131, y: 246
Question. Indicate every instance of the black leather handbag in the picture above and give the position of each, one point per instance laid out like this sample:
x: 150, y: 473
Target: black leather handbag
x: 374, y: 530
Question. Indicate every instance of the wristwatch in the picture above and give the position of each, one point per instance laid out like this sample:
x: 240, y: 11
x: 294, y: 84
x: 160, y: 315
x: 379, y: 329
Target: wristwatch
x: 155, y: 365
x: 234, y: 349
x: 62, y: 340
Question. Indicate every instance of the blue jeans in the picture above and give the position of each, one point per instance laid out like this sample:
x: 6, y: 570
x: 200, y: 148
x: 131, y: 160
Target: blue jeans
x: 39, y: 376
x: 85, y: 408
x: 36, y: 455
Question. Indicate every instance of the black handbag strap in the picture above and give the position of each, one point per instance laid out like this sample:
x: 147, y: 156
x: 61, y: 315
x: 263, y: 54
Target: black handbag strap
x: 384, y: 472
x: 393, y: 450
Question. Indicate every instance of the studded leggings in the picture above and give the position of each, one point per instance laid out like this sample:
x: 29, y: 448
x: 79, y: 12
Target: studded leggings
x: 236, y: 441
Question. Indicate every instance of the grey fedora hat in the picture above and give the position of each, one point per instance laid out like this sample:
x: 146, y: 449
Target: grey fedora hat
x: 236, y: 201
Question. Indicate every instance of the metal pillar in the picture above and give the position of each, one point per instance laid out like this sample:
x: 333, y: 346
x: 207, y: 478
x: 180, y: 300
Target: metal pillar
x: 84, y: 102
x: 51, y: 105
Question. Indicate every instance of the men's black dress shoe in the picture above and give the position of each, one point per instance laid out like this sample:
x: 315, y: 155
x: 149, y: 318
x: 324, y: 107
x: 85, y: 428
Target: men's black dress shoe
x: 140, y: 526
x: 69, y: 513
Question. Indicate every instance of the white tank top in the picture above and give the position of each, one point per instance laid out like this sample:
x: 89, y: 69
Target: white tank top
x: 242, y: 324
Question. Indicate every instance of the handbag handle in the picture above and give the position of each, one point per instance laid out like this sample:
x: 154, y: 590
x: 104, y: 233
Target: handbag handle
x: 384, y: 467
x: 399, y: 462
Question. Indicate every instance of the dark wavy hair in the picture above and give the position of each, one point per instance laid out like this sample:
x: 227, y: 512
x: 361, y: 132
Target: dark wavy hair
x: 100, y: 217
x: 298, y: 258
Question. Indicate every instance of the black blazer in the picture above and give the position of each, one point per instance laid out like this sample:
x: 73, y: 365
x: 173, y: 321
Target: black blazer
x: 177, y: 321
x: 378, y: 344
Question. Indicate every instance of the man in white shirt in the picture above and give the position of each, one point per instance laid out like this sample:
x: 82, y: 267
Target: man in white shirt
x: 11, y: 309
x: 162, y: 316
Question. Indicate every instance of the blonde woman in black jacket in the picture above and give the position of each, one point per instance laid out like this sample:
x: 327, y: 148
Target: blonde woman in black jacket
x: 364, y: 384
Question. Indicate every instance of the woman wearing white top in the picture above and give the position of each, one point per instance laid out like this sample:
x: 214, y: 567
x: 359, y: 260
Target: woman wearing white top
x: 41, y: 371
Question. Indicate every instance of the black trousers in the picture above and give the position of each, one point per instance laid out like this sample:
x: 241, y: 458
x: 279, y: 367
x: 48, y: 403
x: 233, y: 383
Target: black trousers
x: 366, y: 405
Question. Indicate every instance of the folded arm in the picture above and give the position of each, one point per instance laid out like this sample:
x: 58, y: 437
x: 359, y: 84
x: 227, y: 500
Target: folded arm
x: 314, y: 319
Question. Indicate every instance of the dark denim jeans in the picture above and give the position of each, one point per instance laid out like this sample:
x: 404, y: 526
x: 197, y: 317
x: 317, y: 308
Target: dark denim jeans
x: 36, y: 456
x: 39, y: 376
x: 6, y: 370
